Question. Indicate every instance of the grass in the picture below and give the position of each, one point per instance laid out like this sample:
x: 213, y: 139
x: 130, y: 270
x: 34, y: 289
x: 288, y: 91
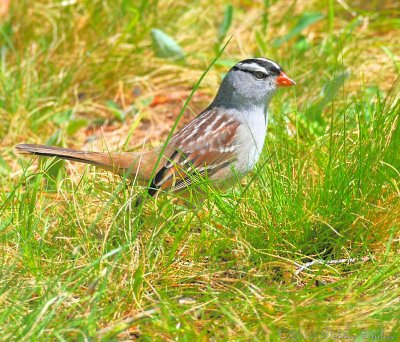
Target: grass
x: 78, y: 261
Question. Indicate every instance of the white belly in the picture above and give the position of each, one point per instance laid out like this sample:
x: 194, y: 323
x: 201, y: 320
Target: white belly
x: 251, y: 140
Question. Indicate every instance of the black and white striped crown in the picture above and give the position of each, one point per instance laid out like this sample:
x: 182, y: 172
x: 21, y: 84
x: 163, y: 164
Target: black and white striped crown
x: 264, y: 65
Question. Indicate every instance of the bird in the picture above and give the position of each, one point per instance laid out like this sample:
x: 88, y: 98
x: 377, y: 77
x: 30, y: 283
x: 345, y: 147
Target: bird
x: 222, y: 143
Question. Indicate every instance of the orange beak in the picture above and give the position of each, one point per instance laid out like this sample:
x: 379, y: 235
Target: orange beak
x: 284, y: 80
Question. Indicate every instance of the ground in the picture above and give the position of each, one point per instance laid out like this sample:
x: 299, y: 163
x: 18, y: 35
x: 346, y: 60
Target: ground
x: 79, y: 261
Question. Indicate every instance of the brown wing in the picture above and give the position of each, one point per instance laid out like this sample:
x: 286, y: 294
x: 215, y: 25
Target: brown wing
x: 203, y: 148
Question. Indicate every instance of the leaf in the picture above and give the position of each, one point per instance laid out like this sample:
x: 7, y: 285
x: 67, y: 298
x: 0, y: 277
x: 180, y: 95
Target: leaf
x: 305, y: 20
x: 302, y: 45
x: 329, y: 93
x: 164, y: 46
x: 332, y: 87
x: 261, y: 43
x: 393, y: 57
x: 265, y: 14
x: 6, y: 223
x: 146, y: 101
x: 63, y: 117
x: 75, y: 125
x: 5, y: 169
x: 134, y: 13
x: 226, y: 22
x: 55, y: 138
x: 119, y: 114
x: 54, y: 170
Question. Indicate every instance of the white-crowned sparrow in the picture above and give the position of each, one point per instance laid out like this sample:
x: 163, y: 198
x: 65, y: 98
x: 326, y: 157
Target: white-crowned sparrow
x: 224, y: 141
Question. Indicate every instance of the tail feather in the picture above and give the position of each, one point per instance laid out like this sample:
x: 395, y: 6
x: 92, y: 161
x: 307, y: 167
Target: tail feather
x: 110, y: 161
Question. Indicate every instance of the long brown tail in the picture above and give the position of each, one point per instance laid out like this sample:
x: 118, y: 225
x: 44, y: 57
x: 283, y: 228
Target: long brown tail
x: 116, y: 162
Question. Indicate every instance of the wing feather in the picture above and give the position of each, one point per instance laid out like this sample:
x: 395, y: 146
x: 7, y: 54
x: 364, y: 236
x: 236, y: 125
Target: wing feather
x: 199, y: 150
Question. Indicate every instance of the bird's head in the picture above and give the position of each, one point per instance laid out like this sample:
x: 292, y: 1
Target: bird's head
x: 253, y: 81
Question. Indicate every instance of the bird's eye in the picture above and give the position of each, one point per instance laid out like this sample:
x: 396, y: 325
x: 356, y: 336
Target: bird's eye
x: 259, y: 75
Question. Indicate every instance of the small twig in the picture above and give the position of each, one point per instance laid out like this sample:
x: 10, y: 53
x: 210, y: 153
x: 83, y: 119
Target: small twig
x: 330, y: 262
x: 125, y: 323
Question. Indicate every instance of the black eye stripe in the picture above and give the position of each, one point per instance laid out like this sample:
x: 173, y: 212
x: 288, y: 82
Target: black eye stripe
x: 274, y: 71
